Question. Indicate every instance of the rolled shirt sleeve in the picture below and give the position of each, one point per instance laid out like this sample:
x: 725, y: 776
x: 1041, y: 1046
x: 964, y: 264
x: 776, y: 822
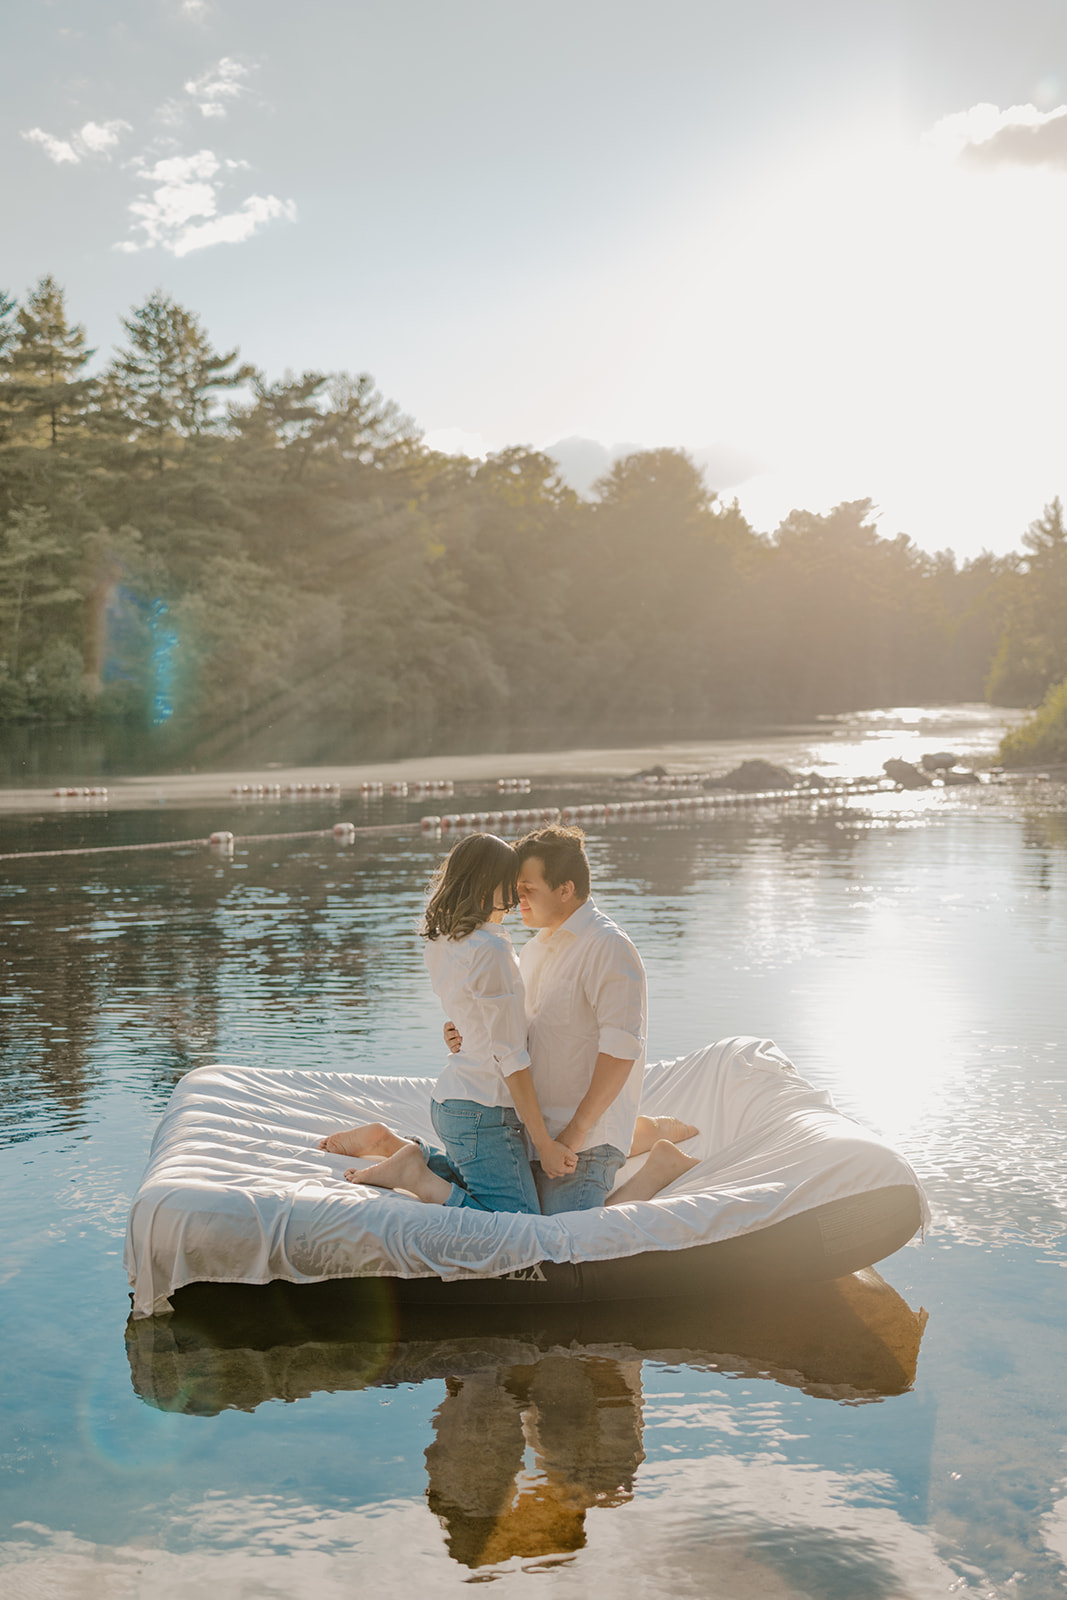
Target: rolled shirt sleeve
x: 496, y: 991
x: 614, y: 985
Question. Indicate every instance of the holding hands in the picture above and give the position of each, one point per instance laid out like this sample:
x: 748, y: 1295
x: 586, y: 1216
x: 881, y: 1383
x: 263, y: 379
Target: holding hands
x: 556, y: 1157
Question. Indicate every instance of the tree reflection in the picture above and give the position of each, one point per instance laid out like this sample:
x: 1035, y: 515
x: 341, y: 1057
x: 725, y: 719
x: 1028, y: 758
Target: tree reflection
x: 160, y: 953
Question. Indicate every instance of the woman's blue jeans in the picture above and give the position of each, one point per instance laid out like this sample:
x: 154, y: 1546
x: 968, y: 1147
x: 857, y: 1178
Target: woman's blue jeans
x: 485, y: 1158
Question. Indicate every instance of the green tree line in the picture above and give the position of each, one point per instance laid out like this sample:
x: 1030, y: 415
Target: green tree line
x: 183, y: 541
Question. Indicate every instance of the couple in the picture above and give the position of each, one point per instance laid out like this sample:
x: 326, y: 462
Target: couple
x: 547, y: 1050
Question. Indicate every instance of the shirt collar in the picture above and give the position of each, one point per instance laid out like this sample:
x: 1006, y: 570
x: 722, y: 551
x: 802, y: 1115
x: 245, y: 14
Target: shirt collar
x: 498, y: 930
x: 575, y: 924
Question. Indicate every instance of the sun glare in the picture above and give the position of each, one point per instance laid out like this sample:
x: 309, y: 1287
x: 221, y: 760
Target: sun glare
x: 882, y: 318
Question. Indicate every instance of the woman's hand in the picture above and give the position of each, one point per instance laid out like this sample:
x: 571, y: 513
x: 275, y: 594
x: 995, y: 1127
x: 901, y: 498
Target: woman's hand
x: 556, y: 1159
x: 453, y: 1037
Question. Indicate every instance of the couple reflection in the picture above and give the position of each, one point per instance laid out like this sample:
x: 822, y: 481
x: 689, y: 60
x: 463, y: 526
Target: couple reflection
x: 578, y: 1416
x: 538, y: 1424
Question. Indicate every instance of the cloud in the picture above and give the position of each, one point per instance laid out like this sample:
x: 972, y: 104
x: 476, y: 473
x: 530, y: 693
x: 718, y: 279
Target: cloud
x: 211, y: 93
x: 1021, y: 136
x: 91, y: 139
x: 582, y: 461
x: 181, y: 212
x: 181, y: 207
x: 217, y: 86
x: 99, y: 137
x: 196, y: 9
x: 57, y: 150
x: 235, y: 226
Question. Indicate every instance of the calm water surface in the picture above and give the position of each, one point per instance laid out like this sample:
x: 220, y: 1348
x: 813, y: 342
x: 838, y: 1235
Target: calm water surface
x: 907, y: 952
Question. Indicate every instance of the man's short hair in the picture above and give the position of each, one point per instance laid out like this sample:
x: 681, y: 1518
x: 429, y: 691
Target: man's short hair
x: 561, y: 852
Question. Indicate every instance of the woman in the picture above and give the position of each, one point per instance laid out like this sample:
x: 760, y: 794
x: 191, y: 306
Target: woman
x: 485, y: 1097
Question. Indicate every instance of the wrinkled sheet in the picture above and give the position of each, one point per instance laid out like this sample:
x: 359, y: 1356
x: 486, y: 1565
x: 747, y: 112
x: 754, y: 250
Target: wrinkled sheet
x: 236, y: 1192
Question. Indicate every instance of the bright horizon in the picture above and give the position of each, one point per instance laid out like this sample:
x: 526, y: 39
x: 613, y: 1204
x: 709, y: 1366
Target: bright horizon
x: 823, y: 254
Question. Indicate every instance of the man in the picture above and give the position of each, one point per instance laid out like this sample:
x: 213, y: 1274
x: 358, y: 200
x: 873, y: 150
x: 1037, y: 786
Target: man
x: 586, y: 1011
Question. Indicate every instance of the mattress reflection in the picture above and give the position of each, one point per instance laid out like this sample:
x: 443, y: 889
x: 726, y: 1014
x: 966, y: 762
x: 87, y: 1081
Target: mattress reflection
x: 563, y: 1391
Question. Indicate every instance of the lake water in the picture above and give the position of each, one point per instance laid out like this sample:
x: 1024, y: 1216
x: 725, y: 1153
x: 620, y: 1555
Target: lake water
x: 906, y: 951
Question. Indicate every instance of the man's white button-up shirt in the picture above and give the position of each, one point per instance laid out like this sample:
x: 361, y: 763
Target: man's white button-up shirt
x: 585, y: 996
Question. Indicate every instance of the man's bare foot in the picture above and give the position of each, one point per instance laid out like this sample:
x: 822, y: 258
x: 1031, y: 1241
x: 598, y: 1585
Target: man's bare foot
x: 649, y: 1129
x: 369, y: 1139
x: 406, y: 1170
x: 665, y: 1164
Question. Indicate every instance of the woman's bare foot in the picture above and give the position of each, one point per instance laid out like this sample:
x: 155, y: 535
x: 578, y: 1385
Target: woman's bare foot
x: 369, y: 1139
x: 649, y: 1129
x: 407, y: 1171
x: 665, y: 1164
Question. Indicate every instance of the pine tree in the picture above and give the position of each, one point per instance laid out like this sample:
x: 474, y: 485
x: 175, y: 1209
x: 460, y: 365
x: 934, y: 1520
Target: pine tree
x: 8, y: 304
x: 1032, y: 654
x: 163, y: 384
x: 43, y: 399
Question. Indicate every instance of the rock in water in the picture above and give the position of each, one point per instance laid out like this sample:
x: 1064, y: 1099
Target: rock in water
x: 907, y: 775
x: 753, y: 776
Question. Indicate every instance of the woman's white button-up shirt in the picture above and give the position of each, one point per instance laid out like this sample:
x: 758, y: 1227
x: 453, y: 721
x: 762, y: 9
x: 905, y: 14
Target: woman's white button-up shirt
x: 477, y: 982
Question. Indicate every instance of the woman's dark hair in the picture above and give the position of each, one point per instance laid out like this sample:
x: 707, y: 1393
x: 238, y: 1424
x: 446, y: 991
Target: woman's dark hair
x: 463, y: 888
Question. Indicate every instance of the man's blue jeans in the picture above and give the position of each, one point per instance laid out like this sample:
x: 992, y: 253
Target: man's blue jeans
x: 583, y: 1189
x: 485, y: 1158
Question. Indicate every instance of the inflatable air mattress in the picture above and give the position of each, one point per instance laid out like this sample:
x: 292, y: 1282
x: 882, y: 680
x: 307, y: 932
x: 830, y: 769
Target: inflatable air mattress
x: 786, y: 1189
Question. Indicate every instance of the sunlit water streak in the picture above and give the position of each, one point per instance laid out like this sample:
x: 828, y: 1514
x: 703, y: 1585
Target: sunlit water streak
x: 907, y: 953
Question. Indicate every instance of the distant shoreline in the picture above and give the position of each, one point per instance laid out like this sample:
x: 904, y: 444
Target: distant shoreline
x: 837, y: 747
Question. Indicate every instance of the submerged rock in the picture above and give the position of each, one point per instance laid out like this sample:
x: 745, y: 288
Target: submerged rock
x: 939, y: 760
x: 648, y: 772
x: 752, y: 776
x: 952, y: 775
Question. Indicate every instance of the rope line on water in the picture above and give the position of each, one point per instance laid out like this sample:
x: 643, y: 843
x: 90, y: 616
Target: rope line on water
x: 199, y: 844
x: 669, y: 810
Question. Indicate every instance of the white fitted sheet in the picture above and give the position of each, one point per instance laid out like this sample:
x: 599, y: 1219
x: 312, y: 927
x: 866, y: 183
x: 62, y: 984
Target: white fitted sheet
x: 236, y: 1192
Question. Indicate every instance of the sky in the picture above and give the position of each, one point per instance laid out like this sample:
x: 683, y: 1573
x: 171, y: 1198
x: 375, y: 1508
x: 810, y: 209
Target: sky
x: 819, y: 246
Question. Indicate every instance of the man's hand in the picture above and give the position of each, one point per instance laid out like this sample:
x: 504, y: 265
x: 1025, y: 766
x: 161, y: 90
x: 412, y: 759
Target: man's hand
x: 573, y: 1136
x: 556, y: 1159
x: 453, y: 1037
x: 609, y: 1075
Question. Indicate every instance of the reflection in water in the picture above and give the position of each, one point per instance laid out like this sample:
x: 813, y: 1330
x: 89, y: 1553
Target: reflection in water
x: 580, y: 1415
x: 537, y: 1426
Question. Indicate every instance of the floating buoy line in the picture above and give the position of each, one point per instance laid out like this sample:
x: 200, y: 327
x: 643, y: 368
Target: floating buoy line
x: 222, y: 841
x: 651, y: 810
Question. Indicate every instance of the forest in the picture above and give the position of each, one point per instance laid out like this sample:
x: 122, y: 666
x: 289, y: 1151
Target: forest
x: 187, y: 544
